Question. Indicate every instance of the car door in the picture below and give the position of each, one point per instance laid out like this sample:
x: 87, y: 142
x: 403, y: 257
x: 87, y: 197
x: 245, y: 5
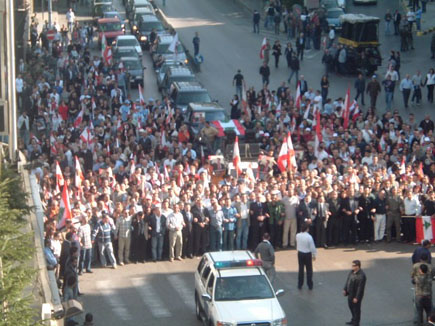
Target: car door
x: 209, y: 305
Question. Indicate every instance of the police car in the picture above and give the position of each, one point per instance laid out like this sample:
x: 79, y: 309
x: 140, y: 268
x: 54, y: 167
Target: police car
x: 232, y: 289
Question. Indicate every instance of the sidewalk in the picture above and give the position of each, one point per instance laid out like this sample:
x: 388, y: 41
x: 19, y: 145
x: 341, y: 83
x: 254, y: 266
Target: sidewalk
x: 427, y: 19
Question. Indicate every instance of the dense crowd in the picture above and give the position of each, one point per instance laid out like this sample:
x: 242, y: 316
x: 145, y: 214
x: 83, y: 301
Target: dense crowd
x: 125, y: 181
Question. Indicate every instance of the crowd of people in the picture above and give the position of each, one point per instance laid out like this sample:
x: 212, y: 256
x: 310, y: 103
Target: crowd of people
x: 138, y: 187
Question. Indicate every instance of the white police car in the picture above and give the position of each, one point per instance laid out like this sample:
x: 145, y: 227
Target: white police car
x: 232, y: 289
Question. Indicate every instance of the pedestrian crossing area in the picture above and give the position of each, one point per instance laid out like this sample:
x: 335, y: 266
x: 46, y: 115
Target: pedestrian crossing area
x: 162, y: 296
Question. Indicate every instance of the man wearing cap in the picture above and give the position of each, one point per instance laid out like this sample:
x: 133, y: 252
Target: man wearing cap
x: 373, y: 89
x: 157, y: 227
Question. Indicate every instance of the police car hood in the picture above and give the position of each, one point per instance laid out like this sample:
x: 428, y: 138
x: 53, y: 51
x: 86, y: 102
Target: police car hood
x: 249, y: 310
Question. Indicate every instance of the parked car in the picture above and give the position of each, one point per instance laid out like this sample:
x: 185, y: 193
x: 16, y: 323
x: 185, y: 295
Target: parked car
x: 175, y: 74
x: 132, y: 4
x: 365, y: 2
x: 99, y: 8
x: 127, y: 41
x: 118, y: 54
x: 110, y: 28
x: 145, y: 25
x: 143, y: 11
x: 333, y: 17
x: 161, y: 71
x: 115, y: 14
x: 135, y: 69
x: 162, y: 50
x: 183, y: 93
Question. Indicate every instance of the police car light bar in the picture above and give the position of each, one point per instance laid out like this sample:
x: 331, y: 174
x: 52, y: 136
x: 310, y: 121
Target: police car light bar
x: 238, y: 263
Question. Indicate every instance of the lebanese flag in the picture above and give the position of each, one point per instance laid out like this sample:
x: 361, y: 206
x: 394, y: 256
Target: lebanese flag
x: 64, y: 209
x: 245, y: 101
x: 141, y: 99
x: 291, y: 152
x: 132, y: 167
x: 59, y: 176
x: 86, y: 136
x: 402, y: 166
x: 166, y: 173
x: 307, y: 112
x: 236, y: 157
x: 382, y: 144
x: 283, y: 158
x: 232, y: 124
x: 355, y: 111
x: 79, y: 177
x: 346, y: 109
x: 424, y: 228
x: 318, y: 139
x: 106, y: 51
x: 263, y: 47
x: 298, y: 96
x: 79, y: 119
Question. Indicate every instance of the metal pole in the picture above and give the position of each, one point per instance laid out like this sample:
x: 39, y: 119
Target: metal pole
x: 50, y: 7
x: 10, y: 43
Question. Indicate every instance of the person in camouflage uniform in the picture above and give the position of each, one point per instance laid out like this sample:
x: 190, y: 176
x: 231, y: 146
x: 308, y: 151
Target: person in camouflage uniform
x: 276, y: 218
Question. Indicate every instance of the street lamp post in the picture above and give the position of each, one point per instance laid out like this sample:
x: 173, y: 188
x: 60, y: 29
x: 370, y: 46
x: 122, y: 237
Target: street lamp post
x: 12, y: 102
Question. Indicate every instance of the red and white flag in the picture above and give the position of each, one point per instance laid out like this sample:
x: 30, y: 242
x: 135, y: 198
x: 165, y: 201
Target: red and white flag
x: 64, y: 209
x: 354, y: 111
x: 402, y: 166
x: 79, y: 119
x: 347, y: 105
x: 263, y: 48
x: 106, y: 51
x: 79, y: 177
x: 318, y: 138
x: 283, y: 158
x: 141, y: 99
x: 298, y: 96
x: 86, y: 136
x: 307, y: 111
x: 291, y: 153
x: 236, y: 157
x: 32, y: 136
x: 245, y: 102
x: 166, y: 173
x: 232, y: 124
x: 60, y: 181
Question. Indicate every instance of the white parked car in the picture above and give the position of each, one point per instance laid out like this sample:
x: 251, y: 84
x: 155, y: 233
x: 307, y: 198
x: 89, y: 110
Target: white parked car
x: 231, y: 288
x: 127, y: 42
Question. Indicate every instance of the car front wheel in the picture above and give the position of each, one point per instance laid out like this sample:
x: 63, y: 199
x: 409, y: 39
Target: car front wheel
x: 197, y: 308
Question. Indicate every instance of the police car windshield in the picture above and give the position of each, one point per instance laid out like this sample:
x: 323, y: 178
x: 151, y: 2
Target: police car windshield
x: 253, y: 287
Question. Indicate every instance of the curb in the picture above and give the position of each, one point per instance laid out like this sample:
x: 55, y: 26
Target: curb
x: 418, y: 33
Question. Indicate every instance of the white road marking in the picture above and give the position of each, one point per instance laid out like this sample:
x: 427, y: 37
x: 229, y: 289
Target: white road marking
x: 116, y: 304
x: 183, y: 289
x: 150, y: 297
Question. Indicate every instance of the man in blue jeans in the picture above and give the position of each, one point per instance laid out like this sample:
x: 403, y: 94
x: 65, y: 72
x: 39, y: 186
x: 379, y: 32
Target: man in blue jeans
x: 157, y: 227
x: 84, y: 233
x: 389, y: 91
x: 103, y: 232
x: 216, y: 223
x: 242, y: 207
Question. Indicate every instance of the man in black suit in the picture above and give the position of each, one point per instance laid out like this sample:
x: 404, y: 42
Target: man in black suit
x: 354, y: 291
x: 322, y: 216
x: 306, y: 213
x: 138, y: 238
x: 335, y: 220
x: 200, y: 224
x: 257, y: 216
x: 365, y: 202
x: 300, y: 46
x: 157, y: 226
x: 349, y: 209
x: 187, y: 231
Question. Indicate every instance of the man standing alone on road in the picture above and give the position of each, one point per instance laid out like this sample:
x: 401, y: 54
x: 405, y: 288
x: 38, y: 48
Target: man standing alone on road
x: 354, y: 291
x: 265, y: 74
x: 265, y: 252
x: 373, y: 89
x: 239, y: 82
x: 306, y: 254
x: 195, y: 42
x: 256, y: 21
x: 360, y: 86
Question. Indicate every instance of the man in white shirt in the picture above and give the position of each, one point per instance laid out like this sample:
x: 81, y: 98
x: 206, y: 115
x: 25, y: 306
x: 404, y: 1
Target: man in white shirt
x: 306, y: 254
x: 24, y: 127
x: 412, y: 207
x: 19, y: 85
x: 175, y: 224
x: 70, y: 18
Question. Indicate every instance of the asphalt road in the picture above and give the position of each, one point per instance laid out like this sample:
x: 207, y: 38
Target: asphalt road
x: 228, y: 44
x: 158, y: 294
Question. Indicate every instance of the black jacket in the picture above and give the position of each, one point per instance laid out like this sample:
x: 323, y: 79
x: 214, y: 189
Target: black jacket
x: 265, y: 71
x: 355, y: 285
x: 153, y: 225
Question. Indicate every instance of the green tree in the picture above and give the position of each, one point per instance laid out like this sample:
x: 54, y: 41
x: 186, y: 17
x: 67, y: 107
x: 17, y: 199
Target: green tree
x: 16, y: 252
